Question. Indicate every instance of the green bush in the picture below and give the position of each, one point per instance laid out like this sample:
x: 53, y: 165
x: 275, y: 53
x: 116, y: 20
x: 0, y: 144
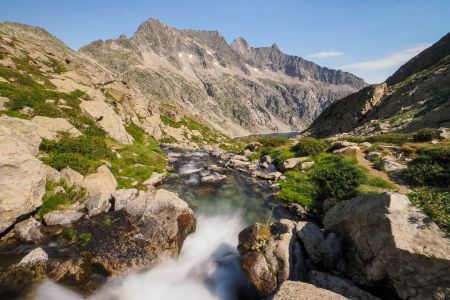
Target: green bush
x: 426, y: 135
x: 336, y: 177
x: 52, y: 201
x: 389, y: 138
x: 278, y: 155
x: 273, y: 141
x: 434, y: 204
x: 83, y: 154
x: 310, y: 146
x: 430, y: 168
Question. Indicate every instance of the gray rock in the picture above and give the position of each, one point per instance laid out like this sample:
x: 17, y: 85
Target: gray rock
x: 213, y: 178
x: 267, y: 176
x: 71, y: 177
x: 240, y: 157
x: 389, y: 164
x: 51, y: 174
x: 29, y: 231
x: 307, y: 165
x: 49, y: 128
x: 155, y: 179
x: 345, y: 149
x: 312, y: 238
x: 267, y: 159
x: 123, y: 196
x: 106, y: 117
x: 293, y: 162
x: 339, y: 285
x: 390, y: 239
x: 291, y: 290
x: 3, y: 101
x: 372, y: 156
x: 238, y: 164
x: 270, y: 255
x: 62, y: 217
x: 98, y: 203
x: 35, y: 256
x: 100, y: 182
x: 22, y: 175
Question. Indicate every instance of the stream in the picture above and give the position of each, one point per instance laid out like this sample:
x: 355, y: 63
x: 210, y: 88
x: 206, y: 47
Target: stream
x: 208, y: 266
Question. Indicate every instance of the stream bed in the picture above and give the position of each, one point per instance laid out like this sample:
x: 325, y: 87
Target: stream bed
x: 208, y: 266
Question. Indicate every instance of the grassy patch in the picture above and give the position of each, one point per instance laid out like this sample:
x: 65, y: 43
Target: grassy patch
x: 84, y: 154
x: 136, y: 132
x: 53, y: 201
x: 310, y: 146
x: 298, y: 188
x: 169, y: 122
x: 390, y: 138
x: 434, y: 204
x: 138, y: 162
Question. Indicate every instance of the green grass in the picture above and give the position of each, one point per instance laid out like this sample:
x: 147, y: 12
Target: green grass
x: 333, y: 176
x: 434, y: 204
x: 84, y: 154
x: 127, y: 169
x: 168, y: 121
x: 136, y: 132
x: 390, y: 138
x: 53, y: 201
x: 310, y: 146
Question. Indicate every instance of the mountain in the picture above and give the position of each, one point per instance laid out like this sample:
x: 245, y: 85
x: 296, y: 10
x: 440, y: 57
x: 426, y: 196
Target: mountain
x: 416, y: 96
x: 39, y: 74
x: 234, y: 88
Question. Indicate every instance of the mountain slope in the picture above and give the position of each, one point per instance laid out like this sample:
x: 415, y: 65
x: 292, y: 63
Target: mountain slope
x: 416, y: 96
x: 40, y: 76
x: 235, y: 88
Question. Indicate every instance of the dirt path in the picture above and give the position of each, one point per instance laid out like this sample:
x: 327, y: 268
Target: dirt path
x: 362, y: 161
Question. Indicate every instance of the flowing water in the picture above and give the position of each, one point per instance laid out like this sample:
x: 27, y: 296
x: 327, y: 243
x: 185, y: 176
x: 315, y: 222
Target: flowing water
x: 208, y: 266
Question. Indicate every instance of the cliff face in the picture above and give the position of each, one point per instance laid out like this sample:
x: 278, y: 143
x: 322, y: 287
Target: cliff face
x: 234, y: 88
x: 416, y: 96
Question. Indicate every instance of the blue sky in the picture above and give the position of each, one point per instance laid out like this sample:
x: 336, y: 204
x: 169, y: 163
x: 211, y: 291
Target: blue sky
x: 370, y: 38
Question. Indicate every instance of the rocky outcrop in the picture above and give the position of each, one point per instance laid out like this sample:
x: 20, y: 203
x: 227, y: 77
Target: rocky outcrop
x: 22, y: 175
x: 389, y: 239
x: 35, y: 256
x: 270, y: 255
x: 71, y: 177
x: 155, y: 179
x: 290, y: 290
x: 235, y: 88
x: 49, y: 128
x: 107, y: 118
x: 62, y: 217
x: 422, y: 84
x: 28, y: 230
x: 293, y: 162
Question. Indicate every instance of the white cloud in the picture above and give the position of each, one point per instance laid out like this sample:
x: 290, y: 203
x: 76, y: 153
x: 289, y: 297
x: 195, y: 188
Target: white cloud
x: 395, y: 59
x: 326, y: 54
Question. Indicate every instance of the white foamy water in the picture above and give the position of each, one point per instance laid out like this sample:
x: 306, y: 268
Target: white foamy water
x: 208, y: 268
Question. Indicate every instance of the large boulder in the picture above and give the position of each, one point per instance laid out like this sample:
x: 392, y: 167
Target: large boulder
x: 107, y: 118
x: 49, y: 128
x: 29, y: 230
x: 270, y: 255
x: 390, y: 240
x: 293, y: 162
x: 22, y: 175
x: 71, y: 177
x: 62, y: 217
x: 339, y: 285
x: 34, y: 257
x: 100, y: 182
x: 298, y: 290
x: 151, y: 228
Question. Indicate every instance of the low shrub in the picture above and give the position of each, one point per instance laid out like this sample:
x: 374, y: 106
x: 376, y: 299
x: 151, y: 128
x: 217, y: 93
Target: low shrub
x: 430, y: 168
x: 272, y: 141
x: 310, y: 146
x: 426, y: 135
x: 434, y: 204
x: 53, y: 201
x: 388, y: 138
x: 336, y: 177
